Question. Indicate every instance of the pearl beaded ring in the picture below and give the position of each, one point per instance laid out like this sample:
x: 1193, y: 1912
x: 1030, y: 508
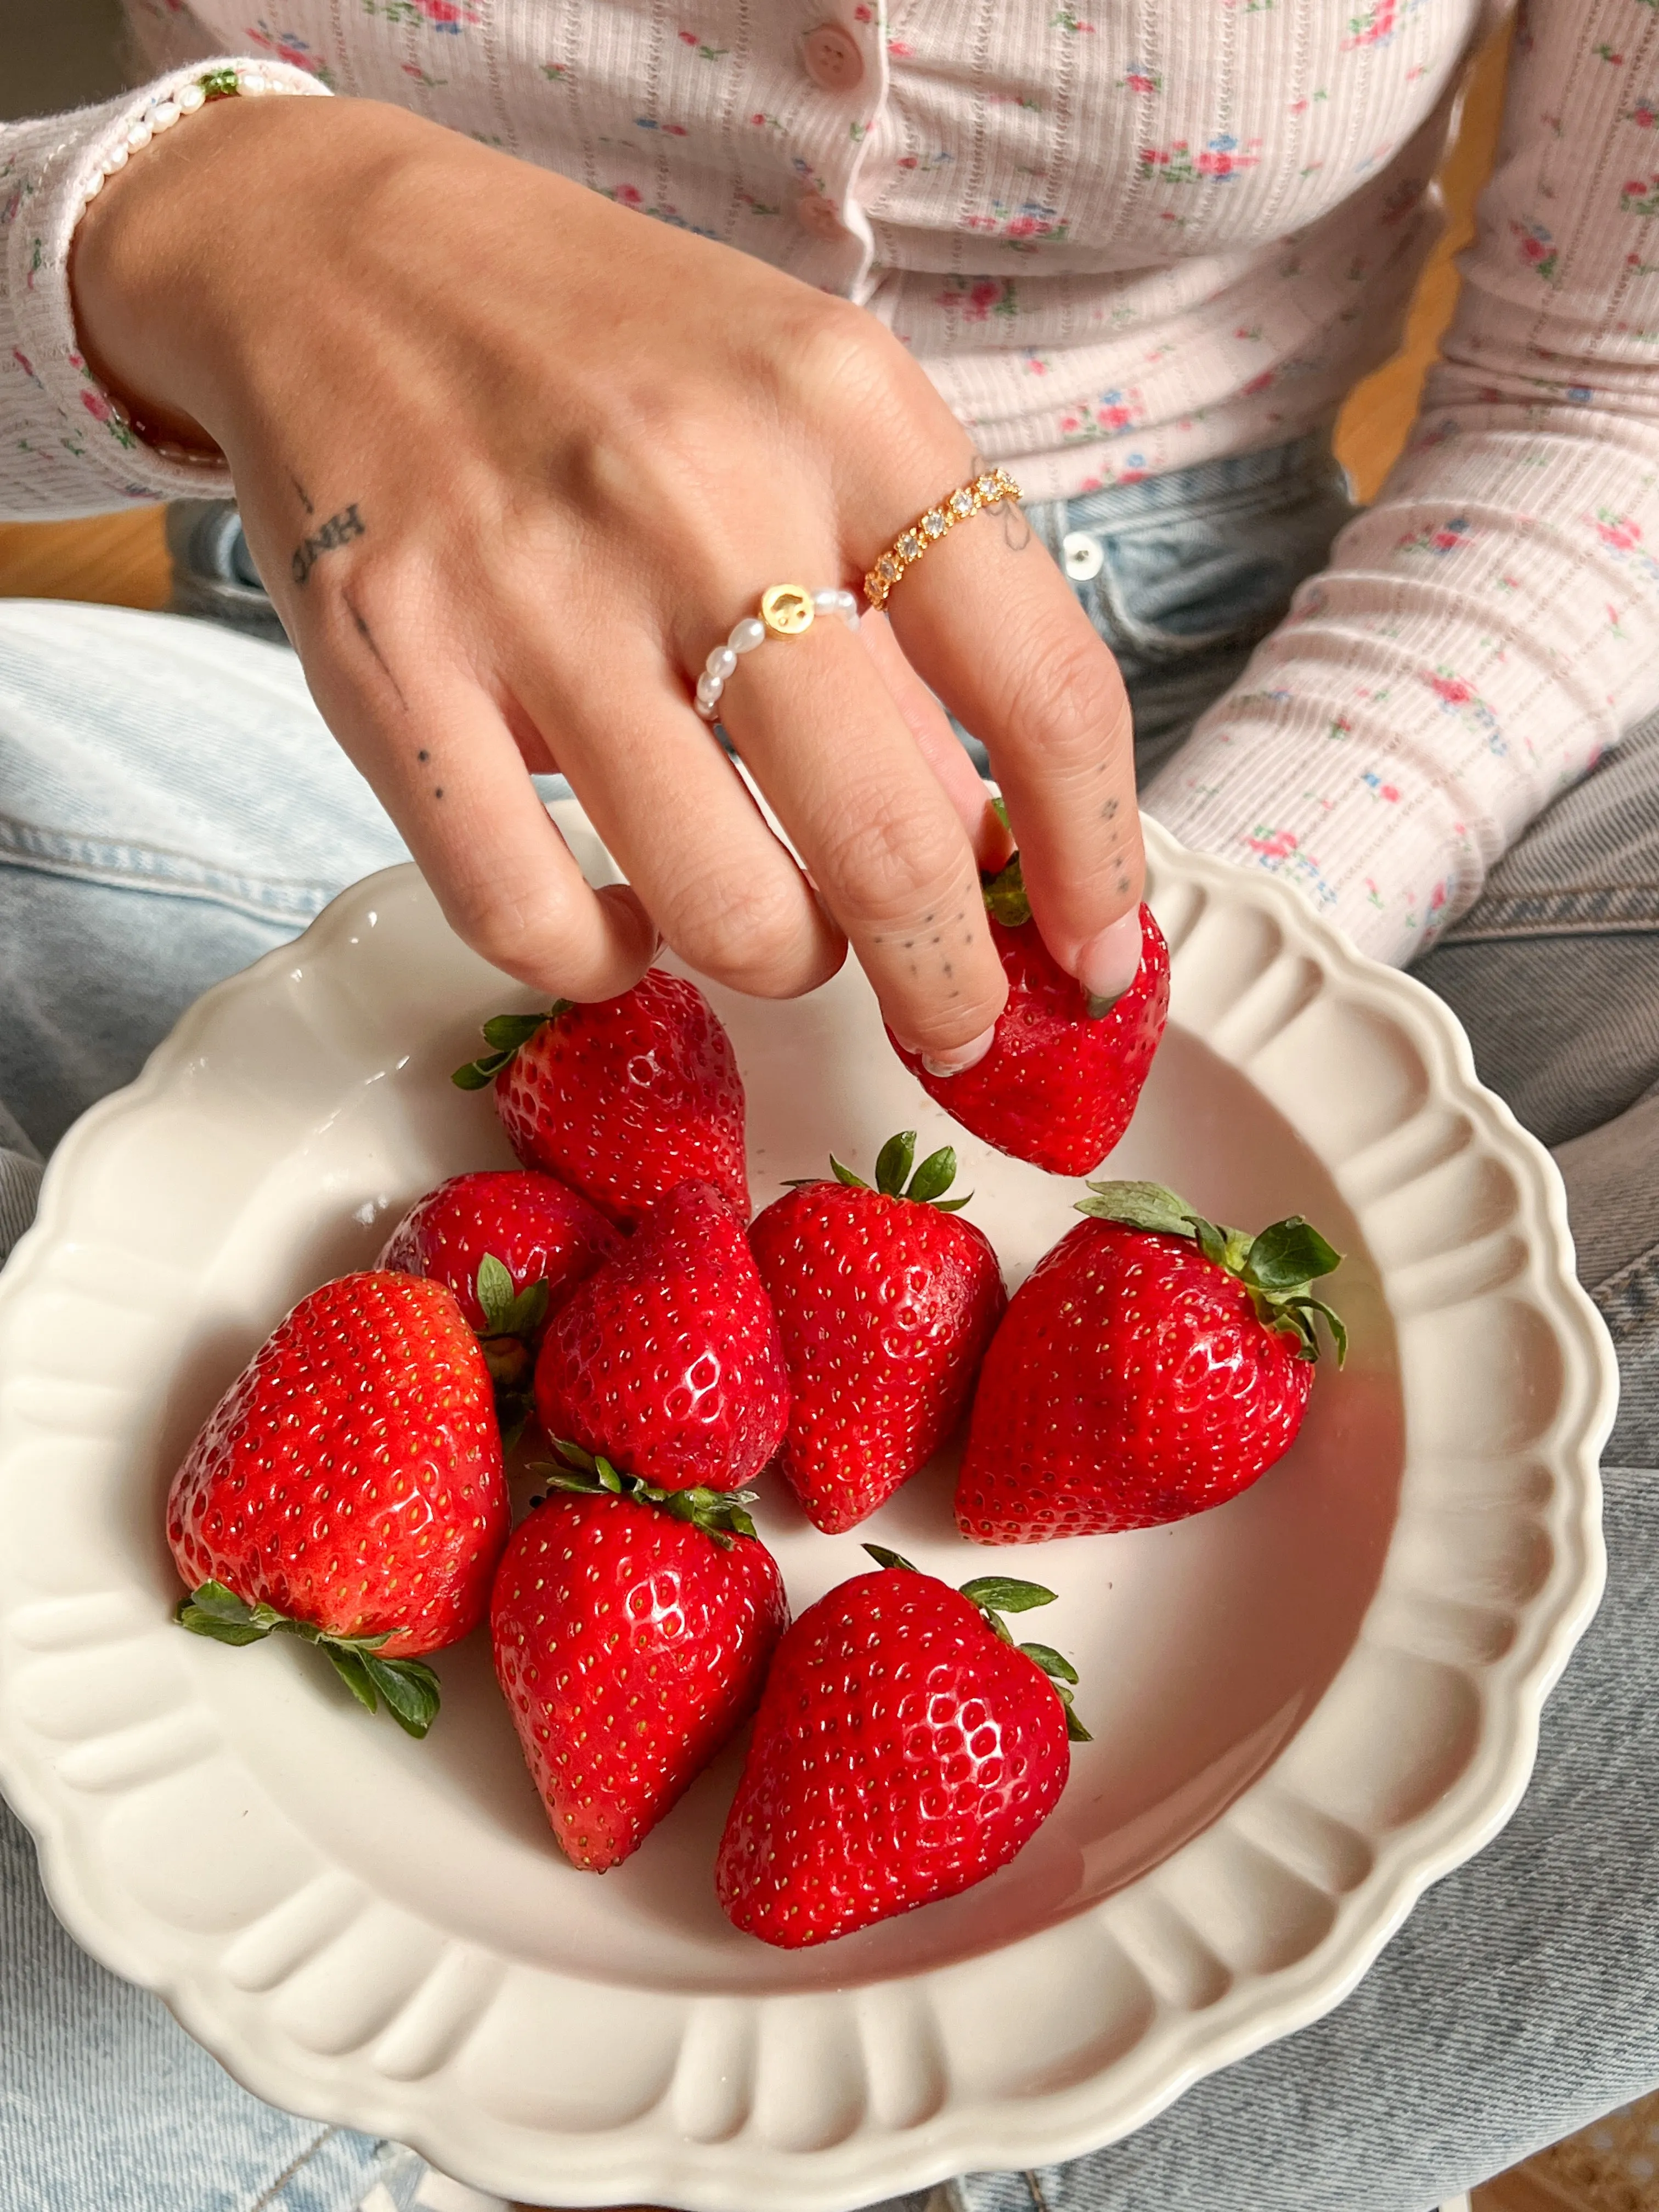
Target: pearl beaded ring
x: 227, y: 83
x: 786, y: 610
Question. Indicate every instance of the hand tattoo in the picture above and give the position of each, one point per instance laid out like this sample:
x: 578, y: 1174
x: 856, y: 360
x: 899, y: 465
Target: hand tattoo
x: 348, y: 523
x: 1016, y: 530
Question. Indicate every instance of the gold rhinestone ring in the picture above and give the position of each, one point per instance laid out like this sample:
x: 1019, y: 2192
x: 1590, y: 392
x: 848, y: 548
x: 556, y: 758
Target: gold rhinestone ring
x: 908, y: 548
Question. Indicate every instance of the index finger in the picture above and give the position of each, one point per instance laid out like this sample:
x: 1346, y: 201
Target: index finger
x: 987, y: 620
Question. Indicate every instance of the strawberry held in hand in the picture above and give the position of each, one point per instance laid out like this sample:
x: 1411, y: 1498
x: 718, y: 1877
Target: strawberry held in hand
x: 623, y: 1100
x: 632, y: 1629
x: 1060, y: 1081
x: 668, y: 1359
x: 348, y: 1489
x: 1151, y: 1365
x: 885, y: 1302
x: 905, y: 1748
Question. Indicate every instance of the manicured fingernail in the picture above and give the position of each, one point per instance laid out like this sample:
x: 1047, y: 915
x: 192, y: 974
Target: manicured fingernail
x: 959, y: 1057
x: 1108, y: 963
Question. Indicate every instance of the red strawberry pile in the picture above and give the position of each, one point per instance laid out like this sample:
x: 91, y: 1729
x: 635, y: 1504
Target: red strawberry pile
x: 611, y: 1301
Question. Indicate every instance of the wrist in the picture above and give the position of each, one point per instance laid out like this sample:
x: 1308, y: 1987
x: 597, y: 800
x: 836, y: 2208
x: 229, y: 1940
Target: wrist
x: 171, y: 261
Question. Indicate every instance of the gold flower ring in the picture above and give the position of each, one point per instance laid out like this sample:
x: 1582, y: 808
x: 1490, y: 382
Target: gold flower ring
x: 908, y: 548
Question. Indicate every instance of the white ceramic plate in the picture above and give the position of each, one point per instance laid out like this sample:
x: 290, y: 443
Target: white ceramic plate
x: 1306, y: 1705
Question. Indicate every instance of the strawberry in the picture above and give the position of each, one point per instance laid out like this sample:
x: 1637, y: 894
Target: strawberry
x: 512, y: 1245
x: 885, y: 1302
x: 624, y: 1100
x: 1060, y: 1081
x: 632, y: 1629
x: 1150, y: 1366
x: 904, y: 1749
x: 543, y: 1234
x: 668, y: 1357
x: 348, y: 1489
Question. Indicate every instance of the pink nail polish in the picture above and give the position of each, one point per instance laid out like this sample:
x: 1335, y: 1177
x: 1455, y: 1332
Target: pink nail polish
x: 1110, y: 962
x: 960, y: 1057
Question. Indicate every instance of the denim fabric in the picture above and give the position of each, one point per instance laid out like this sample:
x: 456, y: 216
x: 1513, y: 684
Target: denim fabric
x: 154, y: 775
x: 1197, y: 568
x: 170, y: 805
x: 107, y: 2105
x: 170, y: 808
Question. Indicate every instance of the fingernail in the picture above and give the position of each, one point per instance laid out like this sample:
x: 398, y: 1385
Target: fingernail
x: 959, y: 1057
x: 1108, y: 963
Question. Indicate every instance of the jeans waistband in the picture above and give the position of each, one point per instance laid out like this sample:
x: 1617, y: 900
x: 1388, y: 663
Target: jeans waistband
x: 1161, y: 502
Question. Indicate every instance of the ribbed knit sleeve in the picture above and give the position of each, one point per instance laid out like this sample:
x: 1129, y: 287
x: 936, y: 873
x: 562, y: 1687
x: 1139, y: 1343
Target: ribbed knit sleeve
x: 1491, y: 625
x: 63, y: 450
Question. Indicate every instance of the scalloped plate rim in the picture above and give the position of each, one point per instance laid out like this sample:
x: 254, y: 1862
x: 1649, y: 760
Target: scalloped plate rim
x: 1047, y: 2128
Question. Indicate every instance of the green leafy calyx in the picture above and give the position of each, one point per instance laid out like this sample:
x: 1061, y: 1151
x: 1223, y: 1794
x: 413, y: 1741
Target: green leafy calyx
x: 995, y: 1594
x: 1004, y: 893
x: 504, y: 1033
x: 1278, y: 1267
x: 407, y: 1687
x: 721, y: 1514
x: 508, y: 1312
x: 926, y: 1186
x: 1006, y: 900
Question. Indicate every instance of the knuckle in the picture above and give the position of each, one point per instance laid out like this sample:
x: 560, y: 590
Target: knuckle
x: 1067, y: 693
x: 529, y: 932
x: 844, y: 360
x: 888, y: 861
x: 750, y: 931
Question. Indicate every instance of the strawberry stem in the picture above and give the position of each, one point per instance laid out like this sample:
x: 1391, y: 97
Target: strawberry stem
x: 504, y: 1033
x: 1004, y: 890
x: 995, y: 1594
x: 508, y: 1312
x: 1006, y: 900
x: 1005, y: 894
x: 926, y: 1186
x: 721, y: 1514
x: 1278, y: 1266
x: 408, y: 1687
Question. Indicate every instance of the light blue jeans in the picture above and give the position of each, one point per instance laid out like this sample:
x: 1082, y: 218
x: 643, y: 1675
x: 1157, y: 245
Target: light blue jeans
x: 171, y: 806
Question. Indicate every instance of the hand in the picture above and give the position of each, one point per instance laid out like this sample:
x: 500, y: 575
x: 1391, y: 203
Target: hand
x: 512, y: 460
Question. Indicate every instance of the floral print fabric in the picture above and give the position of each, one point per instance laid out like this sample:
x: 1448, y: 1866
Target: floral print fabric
x: 1122, y: 239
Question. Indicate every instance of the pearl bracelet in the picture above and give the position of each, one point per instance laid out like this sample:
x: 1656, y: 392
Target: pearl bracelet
x: 786, y: 610
x: 227, y: 83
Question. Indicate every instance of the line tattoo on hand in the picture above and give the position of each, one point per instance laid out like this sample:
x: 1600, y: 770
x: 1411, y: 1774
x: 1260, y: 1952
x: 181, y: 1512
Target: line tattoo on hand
x: 346, y: 524
x: 1016, y: 530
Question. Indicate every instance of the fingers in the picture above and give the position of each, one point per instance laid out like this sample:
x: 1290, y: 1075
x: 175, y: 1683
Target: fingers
x: 988, y: 621
x: 820, y: 731
x: 660, y: 791
x: 440, y: 757
x: 938, y: 745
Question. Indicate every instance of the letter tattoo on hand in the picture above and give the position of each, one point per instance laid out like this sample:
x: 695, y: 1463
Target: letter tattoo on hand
x: 348, y: 523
